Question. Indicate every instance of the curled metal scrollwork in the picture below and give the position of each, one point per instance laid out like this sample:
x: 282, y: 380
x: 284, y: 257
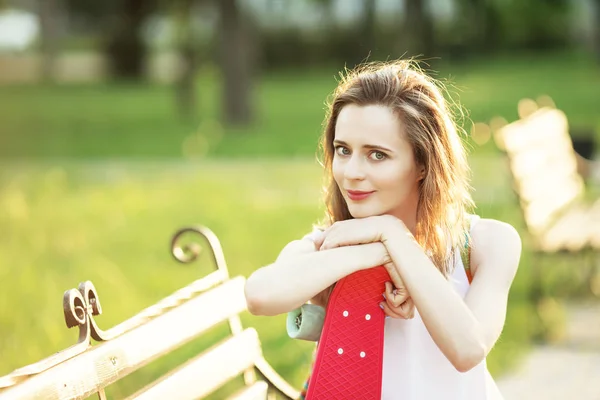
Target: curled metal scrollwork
x: 79, y: 307
x: 186, y: 253
x: 189, y: 252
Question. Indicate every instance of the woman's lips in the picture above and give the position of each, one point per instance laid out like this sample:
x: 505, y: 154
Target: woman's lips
x: 357, y: 195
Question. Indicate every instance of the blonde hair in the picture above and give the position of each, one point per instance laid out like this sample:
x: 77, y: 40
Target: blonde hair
x: 444, y: 192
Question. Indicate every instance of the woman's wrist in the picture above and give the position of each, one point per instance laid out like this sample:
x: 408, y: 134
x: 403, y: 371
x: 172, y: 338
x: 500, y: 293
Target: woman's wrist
x: 394, y: 230
x: 373, y: 255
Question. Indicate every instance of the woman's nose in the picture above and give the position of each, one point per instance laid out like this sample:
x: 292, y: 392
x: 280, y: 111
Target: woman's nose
x: 354, y: 168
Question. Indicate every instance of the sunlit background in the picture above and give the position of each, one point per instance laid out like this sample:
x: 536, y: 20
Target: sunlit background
x: 124, y: 120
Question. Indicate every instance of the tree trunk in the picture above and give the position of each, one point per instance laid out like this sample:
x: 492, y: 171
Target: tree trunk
x: 234, y: 43
x: 492, y: 27
x: 126, y: 49
x: 418, y: 29
x: 185, y: 87
x: 368, y: 26
x: 482, y: 24
x: 50, y: 12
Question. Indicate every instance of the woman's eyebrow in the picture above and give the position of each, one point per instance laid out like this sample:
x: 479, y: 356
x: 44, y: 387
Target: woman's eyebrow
x: 365, y: 146
x: 376, y: 147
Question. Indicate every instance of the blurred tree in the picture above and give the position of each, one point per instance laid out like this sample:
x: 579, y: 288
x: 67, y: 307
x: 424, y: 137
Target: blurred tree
x: 362, y: 37
x: 51, y: 13
x: 596, y: 37
x: 235, y: 63
x: 125, y: 46
x: 185, y: 87
x: 327, y: 8
x: 418, y: 29
x: 479, y: 21
x: 535, y: 24
x: 368, y: 25
x: 119, y: 22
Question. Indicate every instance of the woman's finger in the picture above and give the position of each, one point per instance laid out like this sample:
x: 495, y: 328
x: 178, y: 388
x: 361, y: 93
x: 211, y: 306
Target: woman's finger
x: 398, y: 297
x: 351, y: 232
x: 406, y: 309
x: 395, y: 275
x: 401, y: 290
x: 389, y: 295
x: 389, y: 312
x: 389, y: 287
x: 393, y: 298
x: 336, y: 239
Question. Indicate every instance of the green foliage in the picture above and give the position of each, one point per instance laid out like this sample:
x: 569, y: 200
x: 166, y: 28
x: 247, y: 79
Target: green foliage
x: 485, y: 27
x: 535, y: 24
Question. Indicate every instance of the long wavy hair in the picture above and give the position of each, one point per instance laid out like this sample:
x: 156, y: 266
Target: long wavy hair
x: 419, y: 103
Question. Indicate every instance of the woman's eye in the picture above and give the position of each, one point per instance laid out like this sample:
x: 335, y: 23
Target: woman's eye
x: 377, y: 156
x: 342, y: 151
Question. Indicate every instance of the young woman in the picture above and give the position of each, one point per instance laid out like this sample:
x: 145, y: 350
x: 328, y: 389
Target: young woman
x: 398, y: 196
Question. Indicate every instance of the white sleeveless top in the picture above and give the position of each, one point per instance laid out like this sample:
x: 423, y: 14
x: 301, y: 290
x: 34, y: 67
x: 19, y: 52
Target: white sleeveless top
x: 414, y: 368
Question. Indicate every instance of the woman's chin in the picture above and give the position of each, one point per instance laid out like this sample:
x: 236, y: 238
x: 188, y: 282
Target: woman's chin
x: 362, y: 212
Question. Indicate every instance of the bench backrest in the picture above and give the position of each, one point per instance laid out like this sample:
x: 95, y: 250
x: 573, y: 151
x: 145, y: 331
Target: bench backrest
x: 543, y: 165
x: 82, y: 370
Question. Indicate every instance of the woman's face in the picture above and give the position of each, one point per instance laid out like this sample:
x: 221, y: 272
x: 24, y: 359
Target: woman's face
x: 373, y: 164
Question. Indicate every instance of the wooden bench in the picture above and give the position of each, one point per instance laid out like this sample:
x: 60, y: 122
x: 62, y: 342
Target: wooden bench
x: 83, y: 370
x: 550, y: 189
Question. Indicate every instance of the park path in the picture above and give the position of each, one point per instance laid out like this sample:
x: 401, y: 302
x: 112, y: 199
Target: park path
x: 569, y: 369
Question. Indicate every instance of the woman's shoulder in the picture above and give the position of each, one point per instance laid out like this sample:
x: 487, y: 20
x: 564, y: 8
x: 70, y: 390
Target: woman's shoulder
x: 493, y: 229
x: 495, y: 240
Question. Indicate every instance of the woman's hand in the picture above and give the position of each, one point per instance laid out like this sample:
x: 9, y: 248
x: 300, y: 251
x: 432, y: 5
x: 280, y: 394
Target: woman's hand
x: 360, y: 231
x: 398, y: 303
x: 368, y: 230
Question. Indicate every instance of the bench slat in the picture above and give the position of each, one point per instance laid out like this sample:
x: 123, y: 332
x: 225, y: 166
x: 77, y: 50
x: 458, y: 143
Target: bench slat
x: 207, y: 372
x: 109, y: 361
x: 527, y: 169
x: 570, y: 232
x: 542, y: 211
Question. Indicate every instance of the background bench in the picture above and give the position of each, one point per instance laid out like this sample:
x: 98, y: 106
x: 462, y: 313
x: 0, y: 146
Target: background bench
x: 83, y: 370
x: 551, y: 191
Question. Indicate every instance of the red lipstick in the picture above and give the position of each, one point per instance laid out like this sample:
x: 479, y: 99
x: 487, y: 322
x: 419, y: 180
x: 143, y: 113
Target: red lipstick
x: 357, y: 195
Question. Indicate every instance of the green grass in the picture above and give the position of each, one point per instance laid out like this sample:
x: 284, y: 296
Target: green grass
x: 99, y: 121
x: 111, y: 222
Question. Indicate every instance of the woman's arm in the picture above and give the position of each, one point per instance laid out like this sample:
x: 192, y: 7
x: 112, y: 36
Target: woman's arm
x: 464, y: 330
x: 301, y: 272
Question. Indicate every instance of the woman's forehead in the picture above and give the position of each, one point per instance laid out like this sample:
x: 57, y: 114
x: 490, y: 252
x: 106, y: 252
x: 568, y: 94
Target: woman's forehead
x: 369, y: 125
